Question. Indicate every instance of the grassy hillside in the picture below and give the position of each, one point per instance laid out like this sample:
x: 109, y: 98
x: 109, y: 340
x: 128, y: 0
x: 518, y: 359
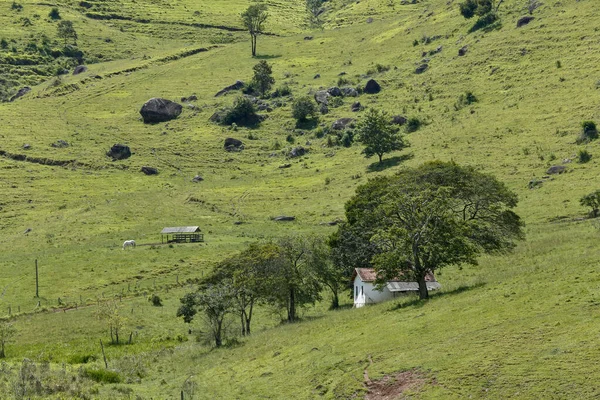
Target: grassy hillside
x: 517, y: 326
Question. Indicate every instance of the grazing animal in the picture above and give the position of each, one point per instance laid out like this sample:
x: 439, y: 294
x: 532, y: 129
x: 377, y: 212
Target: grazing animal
x: 128, y: 243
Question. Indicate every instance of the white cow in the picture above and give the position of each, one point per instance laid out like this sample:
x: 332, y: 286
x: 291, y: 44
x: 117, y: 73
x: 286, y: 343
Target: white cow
x: 128, y: 243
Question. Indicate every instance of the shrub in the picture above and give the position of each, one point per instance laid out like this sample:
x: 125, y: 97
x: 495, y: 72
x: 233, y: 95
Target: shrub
x: 470, y: 8
x: 155, y: 300
x: 343, y: 81
x: 16, y: 6
x: 303, y: 108
x: 3, y: 43
x: 347, y: 139
x: 382, y: 68
x: 591, y: 200
x: 336, y: 102
x: 583, y: 156
x: 290, y: 138
x: 464, y: 100
x: 243, y: 113
x: 589, y: 129
x: 54, y: 14
x: 103, y: 375
x: 283, y: 90
x: 485, y: 21
x: 413, y: 124
x: 320, y: 132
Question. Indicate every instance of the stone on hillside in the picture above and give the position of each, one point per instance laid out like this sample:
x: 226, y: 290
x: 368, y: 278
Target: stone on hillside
x: 232, y: 144
x: 342, y: 123
x: 22, y: 92
x: 149, y: 170
x: 323, y: 109
x: 197, y: 179
x: 462, y: 51
x: 369, y: 20
x: 282, y: 166
x: 308, y: 38
x: 160, y: 110
x: 60, y: 144
x: 322, y: 97
x: 79, y: 69
x: 284, y: 218
x: 238, y: 85
x: 356, y: 106
x: 372, y: 87
x: 26, y: 146
x: 349, y: 92
x: 297, y: 152
x: 399, y: 120
x: 334, y: 91
x: 191, y: 98
x: 556, y: 169
x: 119, y: 152
x: 421, y: 68
x: 524, y: 20
x: 317, y: 76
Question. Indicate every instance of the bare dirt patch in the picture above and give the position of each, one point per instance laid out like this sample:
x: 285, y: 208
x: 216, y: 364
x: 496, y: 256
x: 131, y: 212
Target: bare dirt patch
x: 395, y: 386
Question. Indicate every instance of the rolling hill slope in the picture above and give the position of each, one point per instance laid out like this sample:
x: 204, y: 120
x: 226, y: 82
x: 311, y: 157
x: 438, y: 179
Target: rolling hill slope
x: 519, y: 326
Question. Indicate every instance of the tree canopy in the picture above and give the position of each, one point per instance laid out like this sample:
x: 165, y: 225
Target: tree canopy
x: 66, y: 31
x: 378, y: 135
x: 423, y: 219
x: 263, y: 77
x: 253, y: 20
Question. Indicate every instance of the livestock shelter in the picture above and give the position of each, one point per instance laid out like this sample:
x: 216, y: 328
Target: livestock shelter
x: 181, y: 234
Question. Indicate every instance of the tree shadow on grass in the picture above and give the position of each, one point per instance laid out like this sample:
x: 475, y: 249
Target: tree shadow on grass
x: 389, y: 162
x: 307, y: 124
x: 418, y: 303
x: 267, y: 56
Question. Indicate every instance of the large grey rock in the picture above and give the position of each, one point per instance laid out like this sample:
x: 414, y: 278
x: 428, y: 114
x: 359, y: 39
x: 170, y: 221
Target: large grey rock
x: 524, y: 20
x: 322, y: 97
x: 356, y: 106
x: 372, y: 87
x: 334, y: 91
x: 60, y: 144
x: 149, y: 170
x: 463, y: 51
x: 284, y: 218
x: 398, y: 120
x: 556, y: 169
x: 79, y: 69
x: 297, y: 152
x: 22, y: 92
x: 342, y: 123
x: 421, y: 68
x: 119, y: 152
x: 323, y: 109
x: 349, y: 92
x: 160, y: 110
x: 238, y: 85
x: 232, y: 144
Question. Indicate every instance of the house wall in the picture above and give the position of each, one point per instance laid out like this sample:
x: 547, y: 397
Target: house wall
x: 365, y: 293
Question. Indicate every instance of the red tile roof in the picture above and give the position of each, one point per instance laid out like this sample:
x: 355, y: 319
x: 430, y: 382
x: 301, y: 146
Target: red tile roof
x: 369, y: 275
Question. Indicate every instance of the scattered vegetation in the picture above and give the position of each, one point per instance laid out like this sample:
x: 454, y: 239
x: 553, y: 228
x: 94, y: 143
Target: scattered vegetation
x: 583, y: 156
x: 263, y: 77
x: 591, y: 200
x: 303, y: 108
x: 243, y: 113
x: 379, y: 136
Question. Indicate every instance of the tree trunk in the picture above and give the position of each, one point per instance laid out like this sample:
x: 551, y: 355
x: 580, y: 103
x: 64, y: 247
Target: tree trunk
x: 218, y: 341
x: 249, y: 317
x: 253, y: 45
x: 2, y: 354
x: 335, y: 301
x: 112, y: 338
x: 423, y: 292
x: 117, y: 335
x: 380, y: 157
x: 242, y: 319
x: 292, y: 306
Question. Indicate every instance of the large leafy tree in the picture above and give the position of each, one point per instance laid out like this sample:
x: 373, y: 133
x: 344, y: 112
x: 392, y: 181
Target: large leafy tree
x: 65, y: 30
x: 254, y: 19
x: 429, y: 217
x: 378, y: 135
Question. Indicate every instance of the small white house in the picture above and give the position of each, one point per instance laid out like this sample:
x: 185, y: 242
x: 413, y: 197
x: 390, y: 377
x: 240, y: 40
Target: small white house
x: 366, y: 293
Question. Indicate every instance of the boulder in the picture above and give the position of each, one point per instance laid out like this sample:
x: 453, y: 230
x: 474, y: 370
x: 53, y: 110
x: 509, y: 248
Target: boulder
x: 462, y: 51
x: 398, y: 120
x: 119, y: 152
x: 421, y: 68
x: 22, y: 92
x: 308, y: 38
x: 342, y: 123
x: 349, y: 92
x: 372, y: 87
x: 524, y: 20
x: 238, y: 85
x: 284, y: 218
x: 297, y: 152
x: 149, y: 170
x: 60, y: 144
x: 369, y: 20
x: 322, y: 97
x: 282, y: 166
x: 191, y: 98
x: 197, y: 179
x: 79, y: 69
x: 556, y: 169
x: 232, y: 144
x: 323, y: 109
x: 317, y: 76
x: 217, y: 116
x: 334, y: 91
x: 26, y: 146
x: 356, y: 106
x: 160, y: 110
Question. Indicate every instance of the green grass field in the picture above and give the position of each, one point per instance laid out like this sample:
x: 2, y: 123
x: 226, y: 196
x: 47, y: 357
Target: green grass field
x: 518, y: 326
